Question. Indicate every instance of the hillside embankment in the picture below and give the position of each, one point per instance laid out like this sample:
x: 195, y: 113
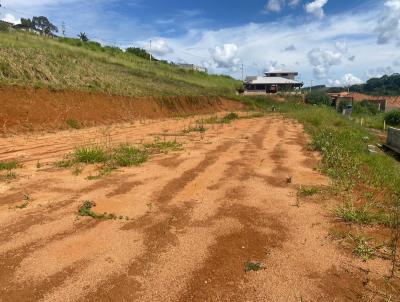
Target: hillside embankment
x: 25, y: 109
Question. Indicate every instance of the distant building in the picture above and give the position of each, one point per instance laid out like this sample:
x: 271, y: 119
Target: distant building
x: 272, y: 82
x: 385, y: 103
x: 193, y: 67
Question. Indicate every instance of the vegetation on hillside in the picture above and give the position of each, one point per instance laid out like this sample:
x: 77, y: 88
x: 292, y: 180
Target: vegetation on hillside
x: 66, y: 63
x: 386, y: 85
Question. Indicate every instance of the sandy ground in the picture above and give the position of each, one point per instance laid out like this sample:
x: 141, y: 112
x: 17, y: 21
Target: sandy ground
x: 194, y: 219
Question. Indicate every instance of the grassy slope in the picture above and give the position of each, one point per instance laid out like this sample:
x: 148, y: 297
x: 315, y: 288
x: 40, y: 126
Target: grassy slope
x: 27, y: 59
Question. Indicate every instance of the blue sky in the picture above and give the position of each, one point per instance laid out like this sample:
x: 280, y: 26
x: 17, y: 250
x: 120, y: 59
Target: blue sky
x: 328, y: 41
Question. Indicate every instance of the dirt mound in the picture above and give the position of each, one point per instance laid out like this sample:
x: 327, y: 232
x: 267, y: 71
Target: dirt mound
x: 30, y: 109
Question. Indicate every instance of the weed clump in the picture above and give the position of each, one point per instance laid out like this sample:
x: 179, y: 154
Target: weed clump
x: 9, y: 165
x: 163, y: 147
x: 361, y: 215
x: 85, y: 210
x: 126, y: 156
x: 73, y: 124
x: 308, y: 191
x: 90, y: 155
x: 253, y: 266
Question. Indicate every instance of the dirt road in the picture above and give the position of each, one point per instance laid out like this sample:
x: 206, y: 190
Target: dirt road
x: 194, y: 220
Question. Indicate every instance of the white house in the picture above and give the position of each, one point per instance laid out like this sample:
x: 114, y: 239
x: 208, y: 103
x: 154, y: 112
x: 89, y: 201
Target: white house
x: 272, y: 82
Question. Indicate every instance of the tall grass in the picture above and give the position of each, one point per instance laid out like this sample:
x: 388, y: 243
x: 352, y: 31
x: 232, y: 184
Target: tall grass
x: 27, y: 59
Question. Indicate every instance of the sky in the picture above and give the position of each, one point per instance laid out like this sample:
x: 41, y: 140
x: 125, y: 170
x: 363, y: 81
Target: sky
x: 330, y: 42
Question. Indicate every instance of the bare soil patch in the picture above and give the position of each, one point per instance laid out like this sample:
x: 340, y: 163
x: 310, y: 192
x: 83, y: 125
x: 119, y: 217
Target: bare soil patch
x: 216, y: 221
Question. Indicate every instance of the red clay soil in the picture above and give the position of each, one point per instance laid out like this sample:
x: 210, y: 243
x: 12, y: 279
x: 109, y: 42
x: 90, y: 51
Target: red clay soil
x: 29, y: 109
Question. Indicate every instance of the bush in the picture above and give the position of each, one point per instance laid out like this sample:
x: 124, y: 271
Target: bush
x: 393, y: 118
x: 318, y: 98
x: 366, y: 107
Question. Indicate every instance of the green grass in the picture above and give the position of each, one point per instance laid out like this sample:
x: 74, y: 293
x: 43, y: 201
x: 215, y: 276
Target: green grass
x: 90, y: 154
x: 363, y: 249
x: 126, y: 156
x: 9, y: 165
x: 227, y: 119
x: 253, y: 266
x: 366, y: 214
x: 73, y: 124
x: 85, y: 210
x: 31, y: 60
x: 163, y: 147
x: 198, y: 128
x: 304, y: 191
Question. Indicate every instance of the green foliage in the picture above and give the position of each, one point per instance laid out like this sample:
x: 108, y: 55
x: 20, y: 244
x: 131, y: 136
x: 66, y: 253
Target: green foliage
x: 363, y: 248
x: 4, y: 27
x: 304, y: 191
x: 365, y: 107
x: 386, y: 85
x: 317, y: 97
x: 83, y: 37
x: 90, y: 155
x: 227, y: 119
x: 393, y: 118
x: 73, y: 124
x: 163, y: 146
x: 43, y: 24
x: 9, y: 165
x: 126, y: 156
x: 139, y: 52
x: 252, y: 266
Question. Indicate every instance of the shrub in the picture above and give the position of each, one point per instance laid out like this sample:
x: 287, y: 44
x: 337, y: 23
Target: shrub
x: 90, y: 155
x: 366, y: 107
x: 73, y: 124
x: 318, y: 98
x: 393, y: 118
x: 9, y: 165
x: 126, y: 156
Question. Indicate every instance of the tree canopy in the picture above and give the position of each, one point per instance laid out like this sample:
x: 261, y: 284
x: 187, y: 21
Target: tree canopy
x: 44, y: 25
x: 386, y: 85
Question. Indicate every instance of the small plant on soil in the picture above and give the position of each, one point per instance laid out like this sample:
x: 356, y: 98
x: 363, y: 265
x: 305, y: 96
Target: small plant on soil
x: 9, y: 175
x: 361, y: 215
x: 126, y: 156
x: 73, y: 124
x: 77, y: 170
x: 198, y: 128
x: 22, y: 206
x: 9, y: 165
x: 253, y: 266
x: 163, y: 147
x: 90, y: 155
x: 86, y: 210
x: 304, y: 191
x: 363, y: 249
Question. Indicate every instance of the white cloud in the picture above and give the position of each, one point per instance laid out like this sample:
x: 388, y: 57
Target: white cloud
x: 278, y: 5
x: 323, y: 60
x: 275, y: 5
x: 11, y: 19
x: 316, y: 8
x: 347, y: 80
x: 379, y: 72
x: 341, y: 46
x: 226, y: 56
x: 396, y: 62
x: 389, y: 24
x: 160, y: 47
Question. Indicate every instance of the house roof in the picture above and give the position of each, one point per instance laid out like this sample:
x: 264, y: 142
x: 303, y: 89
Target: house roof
x: 270, y: 80
x: 282, y: 71
x: 393, y: 101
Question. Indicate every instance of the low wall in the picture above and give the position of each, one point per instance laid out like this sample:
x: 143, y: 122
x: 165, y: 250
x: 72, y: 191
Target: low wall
x: 393, y: 140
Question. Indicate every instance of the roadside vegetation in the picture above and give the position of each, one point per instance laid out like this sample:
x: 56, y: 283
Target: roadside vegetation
x: 7, y: 169
x: 111, y: 158
x: 65, y: 63
x: 346, y: 159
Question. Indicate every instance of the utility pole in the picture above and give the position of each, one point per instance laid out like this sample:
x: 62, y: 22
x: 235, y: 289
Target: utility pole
x: 242, y: 72
x: 150, y: 52
x: 63, y: 29
x: 311, y: 85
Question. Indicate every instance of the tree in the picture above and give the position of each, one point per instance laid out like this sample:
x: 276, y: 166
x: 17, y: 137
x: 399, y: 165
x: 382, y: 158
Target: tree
x: 27, y: 23
x: 83, y: 36
x: 44, y: 25
x: 318, y: 97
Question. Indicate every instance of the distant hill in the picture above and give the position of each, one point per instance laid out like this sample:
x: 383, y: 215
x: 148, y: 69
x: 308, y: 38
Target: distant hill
x: 386, y: 85
x: 63, y: 63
